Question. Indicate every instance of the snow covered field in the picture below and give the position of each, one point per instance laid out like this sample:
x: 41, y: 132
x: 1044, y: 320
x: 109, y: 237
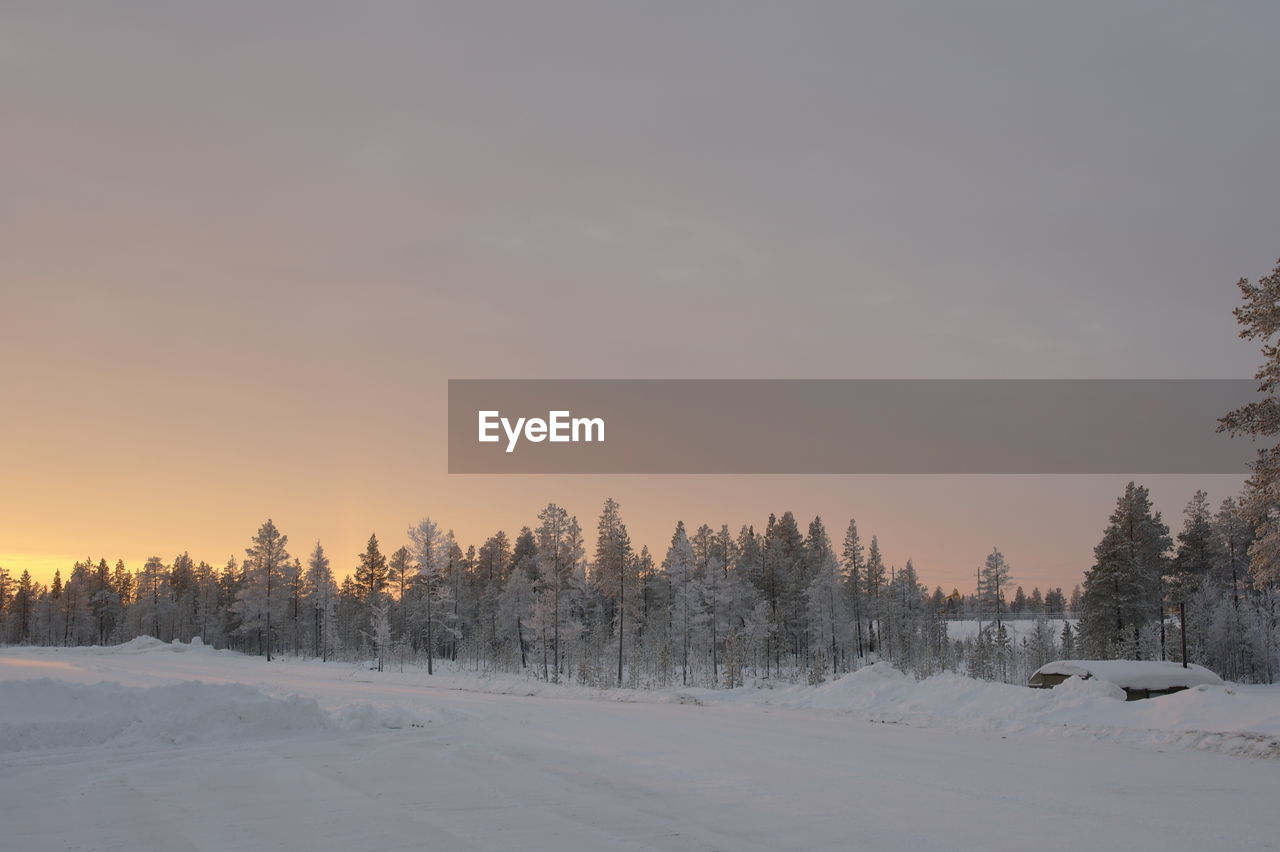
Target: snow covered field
x: 185, y: 748
x: 1017, y: 628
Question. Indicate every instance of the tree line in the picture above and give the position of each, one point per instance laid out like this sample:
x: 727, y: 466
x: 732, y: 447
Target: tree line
x: 715, y: 606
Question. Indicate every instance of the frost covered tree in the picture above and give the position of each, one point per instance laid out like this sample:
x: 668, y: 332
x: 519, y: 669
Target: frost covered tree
x: 686, y: 594
x: 104, y: 602
x: 993, y: 579
x: 320, y: 594
x: 614, y: 574
x: 560, y: 551
x: 153, y: 608
x: 380, y: 630
x: 492, y: 567
x: 258, y: 602
x: 430, y: 551
x: 1259, y: 319
x: 76, y: 615
x: 825, y: 598
x: 855, y: 594
x: 875, y: 576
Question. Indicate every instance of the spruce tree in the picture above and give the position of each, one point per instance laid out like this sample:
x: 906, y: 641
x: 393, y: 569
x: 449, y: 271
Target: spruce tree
x: 258, y: 600
x: 1259, y: 319
x: 1194, y: 557
x: 993, y: 579
x: 614, y: 571
x: 371, y: 573
x: 321, y: 592
x: 854, y: 568
x: 1122, y: 590
x: 429, y: 549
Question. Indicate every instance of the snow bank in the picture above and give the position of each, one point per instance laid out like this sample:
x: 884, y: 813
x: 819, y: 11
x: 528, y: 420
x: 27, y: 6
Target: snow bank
x: 243, y: 697
x: 45, y: 714
x: 1207, y: 717
x: 147, y: 644
x: 1219, y: 718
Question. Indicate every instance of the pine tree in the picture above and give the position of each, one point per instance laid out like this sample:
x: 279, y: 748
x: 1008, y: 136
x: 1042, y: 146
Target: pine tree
x: 208, y: 615
x: 1068, y: 640
x: 1194, y: 556
x: 1055, y: 602
x: 524, y: 561
x: 615, y: 570
x: 875, y: 574
x: 686, y: 594
x: 153, y: 602
x: 259, y: 600
x: 123, y: 582
x: 105, y: 603
x: 1232, y: 536
x: 1122, y: 589
x: 429, y: 549
x: 320, y: 592
x: 854, y: 568
x: 993, y: 579
x: 560, y: 549
x: 493, y: 567
x: 825, y: 601
x: 371, y: 574
x: 1020, y: 604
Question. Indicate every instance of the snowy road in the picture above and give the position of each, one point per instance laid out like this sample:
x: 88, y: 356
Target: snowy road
x: 501, y: 772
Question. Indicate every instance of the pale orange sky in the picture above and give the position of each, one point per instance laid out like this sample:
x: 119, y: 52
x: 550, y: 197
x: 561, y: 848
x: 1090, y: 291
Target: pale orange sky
x: 244, y: 248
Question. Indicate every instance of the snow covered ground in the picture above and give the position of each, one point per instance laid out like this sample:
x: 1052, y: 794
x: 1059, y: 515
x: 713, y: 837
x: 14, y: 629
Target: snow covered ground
x: 173, y: 747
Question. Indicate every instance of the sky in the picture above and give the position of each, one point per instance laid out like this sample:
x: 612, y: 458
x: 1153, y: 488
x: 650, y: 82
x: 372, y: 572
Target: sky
x: 244, y: 246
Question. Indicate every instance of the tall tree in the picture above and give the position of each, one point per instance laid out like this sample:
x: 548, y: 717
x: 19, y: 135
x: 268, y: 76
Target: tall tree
x: 686, y: 593
x: 371, y: 573
x: 875, y: 573
x: 493, y: 566
x: 429, y: 549
x: 854, y: 567
x: 1259, y: 319
x: 614, y: 568
x: 560, y: 550
x: 1232, y: 535
x: 1194, y: 556
x: 1122, y: 589
x: 259, y: 599
x: 321, y: 592
x: 993, y: 579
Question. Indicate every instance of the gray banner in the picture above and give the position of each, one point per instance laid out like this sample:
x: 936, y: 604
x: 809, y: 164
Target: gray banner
x: 845, y: 426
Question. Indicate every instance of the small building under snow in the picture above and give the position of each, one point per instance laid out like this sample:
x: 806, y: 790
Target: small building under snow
x: 1138, y: 678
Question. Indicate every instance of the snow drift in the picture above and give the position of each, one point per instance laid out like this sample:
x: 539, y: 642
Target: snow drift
x: 1208, y: 717
x: 42, y: 714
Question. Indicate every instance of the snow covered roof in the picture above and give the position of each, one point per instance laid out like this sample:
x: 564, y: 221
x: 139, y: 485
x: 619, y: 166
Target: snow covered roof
x: 1133, y: 674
